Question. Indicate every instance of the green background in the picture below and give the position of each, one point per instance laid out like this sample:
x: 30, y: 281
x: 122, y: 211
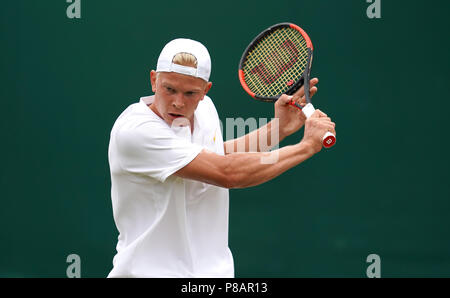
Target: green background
x: 383, y: 189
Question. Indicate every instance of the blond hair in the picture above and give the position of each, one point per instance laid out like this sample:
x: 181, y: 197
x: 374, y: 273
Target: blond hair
x: 185, y: 59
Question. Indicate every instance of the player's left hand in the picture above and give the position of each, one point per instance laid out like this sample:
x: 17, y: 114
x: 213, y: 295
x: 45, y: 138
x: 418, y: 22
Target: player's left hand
x: 291, y: 119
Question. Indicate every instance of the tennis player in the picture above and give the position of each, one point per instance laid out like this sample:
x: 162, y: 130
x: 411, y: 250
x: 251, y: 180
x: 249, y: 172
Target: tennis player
x: 171, y: 170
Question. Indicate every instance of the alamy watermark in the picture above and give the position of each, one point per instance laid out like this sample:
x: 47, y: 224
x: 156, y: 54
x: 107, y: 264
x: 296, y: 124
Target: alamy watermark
x: 264, y: 141
x: 74, y: 269
x: 374, y: 9
x: 73, y: 11
x: 374, y: 269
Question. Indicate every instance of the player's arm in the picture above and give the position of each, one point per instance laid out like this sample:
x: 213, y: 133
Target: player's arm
x: 287, y: 120
x: 259, y: 140
x: 241, y: 170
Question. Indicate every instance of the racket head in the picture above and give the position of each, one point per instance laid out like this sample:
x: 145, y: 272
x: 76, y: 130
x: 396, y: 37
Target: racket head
x: 275, y: 62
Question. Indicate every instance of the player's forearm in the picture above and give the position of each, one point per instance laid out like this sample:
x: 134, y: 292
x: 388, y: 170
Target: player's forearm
x: 250, y: 169
x: 260, y: 140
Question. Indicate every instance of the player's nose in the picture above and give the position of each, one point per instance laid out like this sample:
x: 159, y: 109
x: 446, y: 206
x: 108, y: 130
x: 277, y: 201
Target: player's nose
x: 178, y: 102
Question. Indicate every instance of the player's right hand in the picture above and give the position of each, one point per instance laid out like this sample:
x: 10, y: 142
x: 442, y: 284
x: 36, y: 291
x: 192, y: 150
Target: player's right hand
x: 316, y: 127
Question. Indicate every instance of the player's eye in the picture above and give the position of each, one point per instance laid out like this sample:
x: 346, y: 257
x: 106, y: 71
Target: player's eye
x: 170, y: 90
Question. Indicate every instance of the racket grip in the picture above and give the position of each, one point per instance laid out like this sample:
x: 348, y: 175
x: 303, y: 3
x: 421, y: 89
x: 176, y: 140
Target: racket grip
x: 329, y: 139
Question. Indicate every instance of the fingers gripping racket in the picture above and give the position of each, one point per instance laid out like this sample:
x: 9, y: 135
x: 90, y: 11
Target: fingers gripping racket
x: 278, y: 61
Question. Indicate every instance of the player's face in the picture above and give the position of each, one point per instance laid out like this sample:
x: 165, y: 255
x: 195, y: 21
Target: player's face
x: 177, y: 95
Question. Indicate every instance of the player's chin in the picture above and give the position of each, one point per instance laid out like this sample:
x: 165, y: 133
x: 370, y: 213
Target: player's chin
x: 177, y: 120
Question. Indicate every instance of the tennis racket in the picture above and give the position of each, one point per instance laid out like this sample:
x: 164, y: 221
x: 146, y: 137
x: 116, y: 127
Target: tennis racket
x: 278, y: 61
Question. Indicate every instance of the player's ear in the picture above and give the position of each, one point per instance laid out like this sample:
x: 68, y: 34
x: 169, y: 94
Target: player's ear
x: 208, y: 87
x: 153, y: 76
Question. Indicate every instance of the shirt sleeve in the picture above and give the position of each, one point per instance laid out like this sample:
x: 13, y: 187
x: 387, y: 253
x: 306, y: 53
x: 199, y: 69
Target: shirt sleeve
x: 155, y: 151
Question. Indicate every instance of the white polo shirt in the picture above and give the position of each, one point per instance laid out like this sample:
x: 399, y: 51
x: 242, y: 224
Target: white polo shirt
x: 168, y: 226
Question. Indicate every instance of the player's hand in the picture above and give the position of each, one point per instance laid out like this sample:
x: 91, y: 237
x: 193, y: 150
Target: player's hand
x: 315, y: 128
x: 290, y: 118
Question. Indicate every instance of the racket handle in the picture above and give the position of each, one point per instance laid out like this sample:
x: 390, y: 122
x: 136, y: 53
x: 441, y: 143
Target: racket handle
x: 296, y: 105
x: 329, y: 139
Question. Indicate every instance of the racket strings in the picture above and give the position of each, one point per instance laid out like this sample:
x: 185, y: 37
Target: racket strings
x: 276, y: 62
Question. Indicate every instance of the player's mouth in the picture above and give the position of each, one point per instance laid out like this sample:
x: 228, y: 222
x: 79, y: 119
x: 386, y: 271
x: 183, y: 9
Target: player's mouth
x: 174, y: 115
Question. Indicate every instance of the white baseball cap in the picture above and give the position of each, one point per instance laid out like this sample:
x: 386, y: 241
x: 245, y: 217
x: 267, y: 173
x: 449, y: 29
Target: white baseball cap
x: 183, y: 45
